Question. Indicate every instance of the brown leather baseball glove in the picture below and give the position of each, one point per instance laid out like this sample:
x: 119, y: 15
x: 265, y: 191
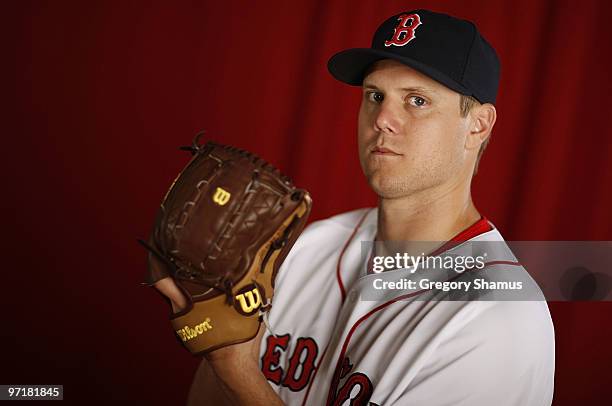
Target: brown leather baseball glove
x: 224, y: 227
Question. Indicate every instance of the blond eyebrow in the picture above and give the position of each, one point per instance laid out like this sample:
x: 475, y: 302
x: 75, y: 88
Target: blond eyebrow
x: 404, y: 89
x: 419, y: 89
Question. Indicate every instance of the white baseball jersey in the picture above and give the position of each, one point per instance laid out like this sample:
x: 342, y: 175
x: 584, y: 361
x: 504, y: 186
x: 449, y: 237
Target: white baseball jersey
x: 330, y: 346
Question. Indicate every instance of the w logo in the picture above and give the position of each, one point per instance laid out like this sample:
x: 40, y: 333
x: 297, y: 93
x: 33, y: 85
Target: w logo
x: 221, y: 196
x: 248, y: 300
x: 404, y: 31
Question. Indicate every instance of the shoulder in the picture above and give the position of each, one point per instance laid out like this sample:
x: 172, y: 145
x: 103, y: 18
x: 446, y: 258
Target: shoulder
x: 513, y: 318
x: 515, y: 345
x: 502, y: 352
x: 334, y: 230
x: 323, y: 240
x: 511, y: 342
x: 521, y: 326
x: 345, y: 221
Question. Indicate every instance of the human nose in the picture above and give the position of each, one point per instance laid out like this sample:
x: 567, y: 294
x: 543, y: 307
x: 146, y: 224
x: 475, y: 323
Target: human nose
x: 388, y: 119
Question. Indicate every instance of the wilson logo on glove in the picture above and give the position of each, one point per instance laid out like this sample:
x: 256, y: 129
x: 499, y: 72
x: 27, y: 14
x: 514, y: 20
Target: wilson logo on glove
x: 187, y: 333
x: 221, y: 196
x: 224, y: 257
x: 248, y: 300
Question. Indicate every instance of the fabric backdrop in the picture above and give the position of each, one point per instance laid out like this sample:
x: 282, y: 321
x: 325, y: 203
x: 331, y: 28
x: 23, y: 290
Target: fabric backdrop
x: 102, y: 94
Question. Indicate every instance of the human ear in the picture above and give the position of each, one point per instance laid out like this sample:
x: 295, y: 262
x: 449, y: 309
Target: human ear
x: 482, y: 120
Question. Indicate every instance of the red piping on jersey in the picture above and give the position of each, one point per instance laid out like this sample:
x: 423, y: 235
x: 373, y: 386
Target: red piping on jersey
x: 486, y: 264
x: 357, y: 323
x: 339, y: 265
x: 342, y: 293
x: 371, y: 312
x: 481, y: 226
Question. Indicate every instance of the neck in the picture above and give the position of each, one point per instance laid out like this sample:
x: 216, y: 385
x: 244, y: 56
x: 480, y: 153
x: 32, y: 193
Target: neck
x: 432, y: 215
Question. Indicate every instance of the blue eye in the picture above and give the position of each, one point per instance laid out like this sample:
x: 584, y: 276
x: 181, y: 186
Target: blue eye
x: 375, y: 97
x: 417, y: 101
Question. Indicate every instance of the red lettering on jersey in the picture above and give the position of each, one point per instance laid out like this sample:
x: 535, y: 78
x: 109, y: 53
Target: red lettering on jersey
x: 356, y: 379
x: 361, y: 398
x: 404, y: 32
x: 270, y: 360
x: 301, y: 368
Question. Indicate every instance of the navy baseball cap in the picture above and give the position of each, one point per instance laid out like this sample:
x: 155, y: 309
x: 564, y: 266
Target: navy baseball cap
x: 447, y: 49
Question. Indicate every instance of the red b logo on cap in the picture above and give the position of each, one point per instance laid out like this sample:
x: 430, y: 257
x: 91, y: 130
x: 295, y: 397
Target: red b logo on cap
x: 404, y: 32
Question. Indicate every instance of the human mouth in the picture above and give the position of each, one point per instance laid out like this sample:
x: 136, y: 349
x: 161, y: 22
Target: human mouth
x: 384, y: 151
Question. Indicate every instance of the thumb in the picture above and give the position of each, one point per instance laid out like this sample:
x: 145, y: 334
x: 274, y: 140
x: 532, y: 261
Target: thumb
x: 168, y: 288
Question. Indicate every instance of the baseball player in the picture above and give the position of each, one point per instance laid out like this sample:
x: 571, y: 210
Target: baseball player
x: 429, y: 85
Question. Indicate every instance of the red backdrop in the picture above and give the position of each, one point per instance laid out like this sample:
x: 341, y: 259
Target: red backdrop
x: 104, y: 92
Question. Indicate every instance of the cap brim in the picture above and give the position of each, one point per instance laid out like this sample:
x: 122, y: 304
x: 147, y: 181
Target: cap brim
x: 349, y: 66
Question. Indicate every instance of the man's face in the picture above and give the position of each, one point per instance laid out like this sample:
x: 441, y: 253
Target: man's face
x: 411, y: 134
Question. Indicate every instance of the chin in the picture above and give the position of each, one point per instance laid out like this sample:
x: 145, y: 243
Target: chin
x: 390, y: 187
